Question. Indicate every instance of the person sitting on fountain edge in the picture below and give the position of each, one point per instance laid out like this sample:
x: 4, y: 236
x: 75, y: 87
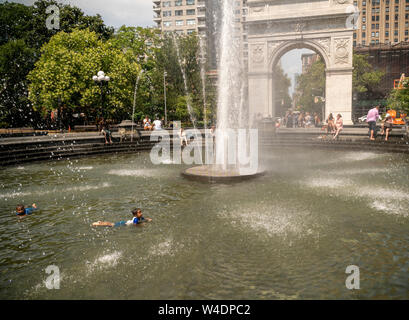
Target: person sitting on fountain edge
x: 22, y: 211
x: 138, y: 218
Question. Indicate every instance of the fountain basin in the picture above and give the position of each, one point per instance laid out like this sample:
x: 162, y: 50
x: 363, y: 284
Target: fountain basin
x: 214, y: 174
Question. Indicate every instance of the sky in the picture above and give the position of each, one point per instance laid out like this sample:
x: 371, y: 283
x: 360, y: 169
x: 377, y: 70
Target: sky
x: 114, y: 12
x: 139, y: 13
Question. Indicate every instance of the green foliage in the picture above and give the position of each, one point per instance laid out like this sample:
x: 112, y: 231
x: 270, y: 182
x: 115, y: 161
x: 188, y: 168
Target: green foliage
x: 399, y: 98
x: 168, y: 60
x: 59, y: 64
x: 63, y: 75
x: 24, y: 28
x: 16, y: 60
x: 365, y: 79
x: 14, y: 21
x: 310, y: 85
x: 282, y: 85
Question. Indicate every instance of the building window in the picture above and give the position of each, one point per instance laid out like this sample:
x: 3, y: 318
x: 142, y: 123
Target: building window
x: 179, y: 23
x: 178, y: 12
x: 167, y: 23
x: 178, y: 3
x: 166, y: 4
x: 191, y: 22
x: 167, y: 13
x: 190, y: 2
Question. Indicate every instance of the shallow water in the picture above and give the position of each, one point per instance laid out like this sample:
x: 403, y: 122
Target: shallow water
x: 287, y: 235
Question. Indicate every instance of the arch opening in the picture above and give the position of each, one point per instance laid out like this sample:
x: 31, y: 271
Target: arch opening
x: 298, y: 85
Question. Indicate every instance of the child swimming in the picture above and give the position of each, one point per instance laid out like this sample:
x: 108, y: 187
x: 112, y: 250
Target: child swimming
x: 22, y: 211
x: 138, y: 218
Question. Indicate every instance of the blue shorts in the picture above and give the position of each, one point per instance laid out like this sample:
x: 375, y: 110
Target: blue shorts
x: 120, y: 223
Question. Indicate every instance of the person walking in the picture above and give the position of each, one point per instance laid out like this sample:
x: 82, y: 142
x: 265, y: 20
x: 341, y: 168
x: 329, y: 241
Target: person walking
x: 371, y: 119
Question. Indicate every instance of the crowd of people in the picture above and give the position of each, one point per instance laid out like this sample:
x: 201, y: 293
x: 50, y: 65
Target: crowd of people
x: 297, y: 119
x: 335, y: 125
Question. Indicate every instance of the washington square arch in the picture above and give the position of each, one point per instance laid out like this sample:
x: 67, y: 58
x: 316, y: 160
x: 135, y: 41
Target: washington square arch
x: 278, y: 26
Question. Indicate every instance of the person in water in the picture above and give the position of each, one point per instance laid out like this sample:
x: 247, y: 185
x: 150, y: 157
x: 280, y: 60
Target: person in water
x: 138, y: 218
x: 22, y: 211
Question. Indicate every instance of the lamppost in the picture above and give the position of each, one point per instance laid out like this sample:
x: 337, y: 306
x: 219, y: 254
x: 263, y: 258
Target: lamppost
x: 164, y: 93
x: 102, y: 81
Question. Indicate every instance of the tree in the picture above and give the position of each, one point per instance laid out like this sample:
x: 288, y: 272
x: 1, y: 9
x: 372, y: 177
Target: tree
x: 282, y: 85
x: 178, y: 56
x: 365, y: 79
x: 23, y: 28
x: 14, y: 21
x: 62, y: 77
x: 310, y: 85
x: 16, y: 60
x: 140, y: 45
x: 399, y: 98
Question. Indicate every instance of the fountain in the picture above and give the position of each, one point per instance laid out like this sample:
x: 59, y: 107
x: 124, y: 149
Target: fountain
x: 231, y: 112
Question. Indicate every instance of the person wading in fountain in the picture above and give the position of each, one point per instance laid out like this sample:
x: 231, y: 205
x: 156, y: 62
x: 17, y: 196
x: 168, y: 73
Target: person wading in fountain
x: 22, y: 211
x: 371, y: 118
x: 137, y: 219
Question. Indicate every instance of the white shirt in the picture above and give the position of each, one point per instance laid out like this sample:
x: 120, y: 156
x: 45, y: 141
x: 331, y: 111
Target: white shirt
x: 158, y: 124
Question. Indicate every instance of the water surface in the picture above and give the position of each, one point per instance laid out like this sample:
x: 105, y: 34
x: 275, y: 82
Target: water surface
x: 287, y: 235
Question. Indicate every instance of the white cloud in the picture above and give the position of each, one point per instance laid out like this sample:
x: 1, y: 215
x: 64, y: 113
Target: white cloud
x: 114, y: 12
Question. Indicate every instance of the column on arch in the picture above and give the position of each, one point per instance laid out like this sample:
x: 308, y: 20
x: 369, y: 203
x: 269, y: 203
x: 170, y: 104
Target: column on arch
x: 260, y: 94
x: 339, y: 93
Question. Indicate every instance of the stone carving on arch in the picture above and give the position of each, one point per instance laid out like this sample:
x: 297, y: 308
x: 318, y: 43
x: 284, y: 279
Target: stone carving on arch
x: 325, y: 43
x: 341, y: 2
x: 342, y: 51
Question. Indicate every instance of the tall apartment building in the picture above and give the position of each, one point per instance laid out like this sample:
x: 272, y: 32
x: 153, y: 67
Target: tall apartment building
x: 382, y: 22
x: 181, y: 16
x: 202, y: 17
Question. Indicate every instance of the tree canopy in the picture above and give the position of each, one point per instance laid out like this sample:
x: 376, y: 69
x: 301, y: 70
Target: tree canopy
x: 23, y: 32
x: 365, y: 78
x: 312, y: 83
x: 63, y: 75
x: 399, y: 98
